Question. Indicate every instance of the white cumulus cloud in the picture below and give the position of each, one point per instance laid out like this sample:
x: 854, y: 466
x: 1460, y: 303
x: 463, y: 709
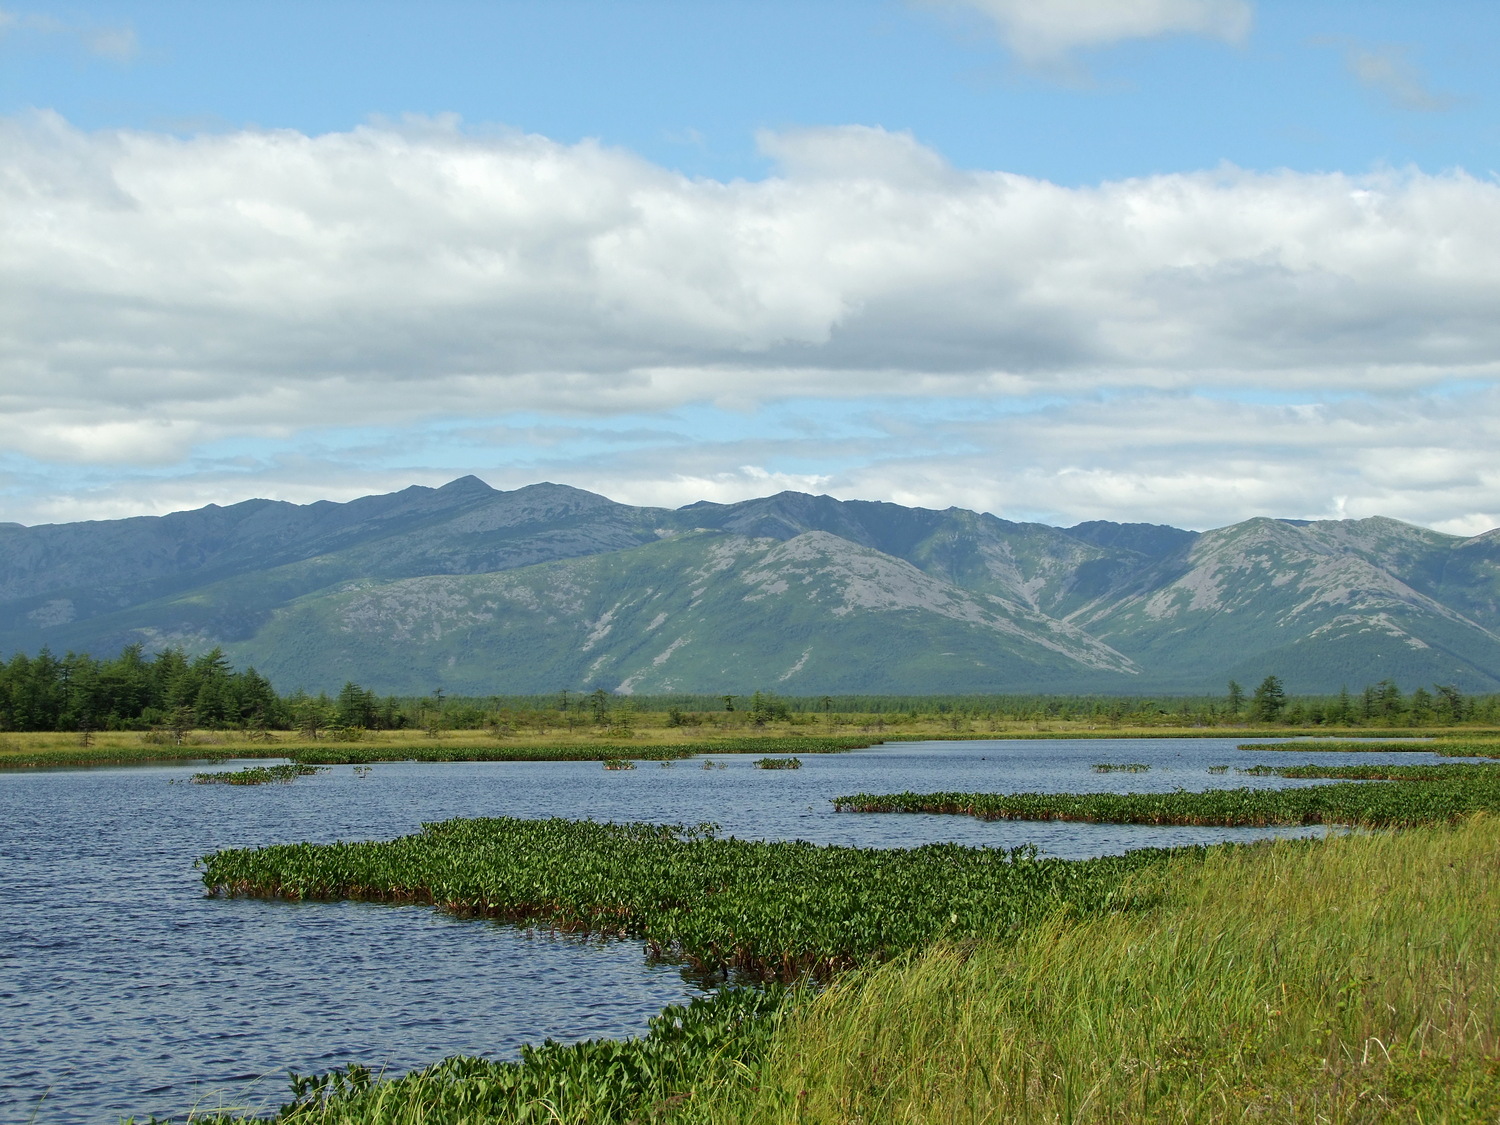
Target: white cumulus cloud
x: 254, y: 281
x: 159, y: 295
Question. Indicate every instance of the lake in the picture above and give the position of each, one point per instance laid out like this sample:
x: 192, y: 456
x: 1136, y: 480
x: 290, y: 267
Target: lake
x: 123, y: 990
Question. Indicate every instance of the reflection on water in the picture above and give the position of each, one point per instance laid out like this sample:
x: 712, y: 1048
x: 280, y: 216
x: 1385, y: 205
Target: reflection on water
x: 123, y: 990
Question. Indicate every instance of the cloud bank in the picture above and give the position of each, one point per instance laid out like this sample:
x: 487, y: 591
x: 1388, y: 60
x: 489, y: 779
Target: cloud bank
x: 164, y: 293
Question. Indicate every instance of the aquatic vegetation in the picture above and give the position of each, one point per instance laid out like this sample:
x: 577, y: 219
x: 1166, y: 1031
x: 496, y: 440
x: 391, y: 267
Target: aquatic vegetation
x: 1437, y: 771
x: 1128, y: 767
x: 722, y: 906
x: 1218, y: 769
x: 709, y: 1040
x: 778, y: 764
x: 258, y: 775
x: 618, y: 764
x: 1441, y: 798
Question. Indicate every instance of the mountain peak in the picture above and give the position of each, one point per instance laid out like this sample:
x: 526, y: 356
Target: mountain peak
x: 465, y: 484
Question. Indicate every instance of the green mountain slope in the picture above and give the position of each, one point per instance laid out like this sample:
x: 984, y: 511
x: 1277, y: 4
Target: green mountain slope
x: 694, y: 612
x: 1050, y: 570
x: 89, y: 585
x: 545, y: 587
x: 1320, y: 604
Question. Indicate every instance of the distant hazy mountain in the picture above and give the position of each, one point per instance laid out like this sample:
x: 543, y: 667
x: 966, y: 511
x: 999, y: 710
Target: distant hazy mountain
x: 480, y: 591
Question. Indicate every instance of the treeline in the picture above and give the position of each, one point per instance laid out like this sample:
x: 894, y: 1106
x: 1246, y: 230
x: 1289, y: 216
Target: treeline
x: 132, y: 691
x: 1382, y: 704
x: 172, y: 691
x: 168, y: 691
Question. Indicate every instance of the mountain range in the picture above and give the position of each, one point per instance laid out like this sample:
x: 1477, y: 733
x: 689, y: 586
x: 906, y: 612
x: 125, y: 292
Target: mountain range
x: 480, y: 592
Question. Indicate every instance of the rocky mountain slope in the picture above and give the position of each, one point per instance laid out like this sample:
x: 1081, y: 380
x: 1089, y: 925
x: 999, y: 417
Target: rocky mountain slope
x: 481, y: 591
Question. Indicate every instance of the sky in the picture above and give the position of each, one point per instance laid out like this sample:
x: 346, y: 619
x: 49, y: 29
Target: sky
x: 1174, y: 261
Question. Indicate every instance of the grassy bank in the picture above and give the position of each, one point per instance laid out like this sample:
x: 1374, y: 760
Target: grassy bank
x: 1347, y: 980
x: 47, y: 751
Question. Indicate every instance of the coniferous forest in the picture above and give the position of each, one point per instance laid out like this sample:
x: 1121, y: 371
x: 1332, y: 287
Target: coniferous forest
x: 170, y: 690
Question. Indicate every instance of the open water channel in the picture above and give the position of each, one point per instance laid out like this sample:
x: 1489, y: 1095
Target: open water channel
x: 123, y: 990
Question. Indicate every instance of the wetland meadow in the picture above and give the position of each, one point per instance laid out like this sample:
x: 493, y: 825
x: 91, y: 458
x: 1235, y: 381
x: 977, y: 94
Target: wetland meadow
x: 983, y: 929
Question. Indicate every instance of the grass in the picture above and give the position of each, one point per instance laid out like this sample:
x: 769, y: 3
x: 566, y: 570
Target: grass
x: 1345, y: 980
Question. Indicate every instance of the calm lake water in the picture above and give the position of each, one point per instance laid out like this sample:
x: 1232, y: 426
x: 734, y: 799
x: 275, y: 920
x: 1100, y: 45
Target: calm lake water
x: 123, y: 990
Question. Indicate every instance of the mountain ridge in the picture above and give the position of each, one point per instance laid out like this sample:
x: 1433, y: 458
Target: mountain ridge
x: 457, y: 587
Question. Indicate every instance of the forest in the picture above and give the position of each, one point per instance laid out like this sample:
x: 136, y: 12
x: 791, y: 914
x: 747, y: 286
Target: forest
x: 171, y: 691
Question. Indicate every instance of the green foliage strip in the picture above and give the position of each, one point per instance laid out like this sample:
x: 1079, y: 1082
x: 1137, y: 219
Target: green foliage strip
x: 763, y: 911
x: 1374, y: 804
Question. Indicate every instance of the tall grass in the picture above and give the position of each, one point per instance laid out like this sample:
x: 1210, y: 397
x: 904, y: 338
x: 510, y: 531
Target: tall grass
x: 1341, y: 980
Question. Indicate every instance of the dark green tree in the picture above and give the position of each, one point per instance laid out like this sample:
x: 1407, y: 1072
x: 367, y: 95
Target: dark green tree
x: 1422, y: 706
x: 355, y: 707
x: 1343, y: 708
x: 1386, y: 701
x: 1269, y: 700
x: 1450, y: 704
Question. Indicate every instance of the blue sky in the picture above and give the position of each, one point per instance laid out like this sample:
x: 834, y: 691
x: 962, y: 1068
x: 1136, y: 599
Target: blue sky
x: 1185, y: 261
